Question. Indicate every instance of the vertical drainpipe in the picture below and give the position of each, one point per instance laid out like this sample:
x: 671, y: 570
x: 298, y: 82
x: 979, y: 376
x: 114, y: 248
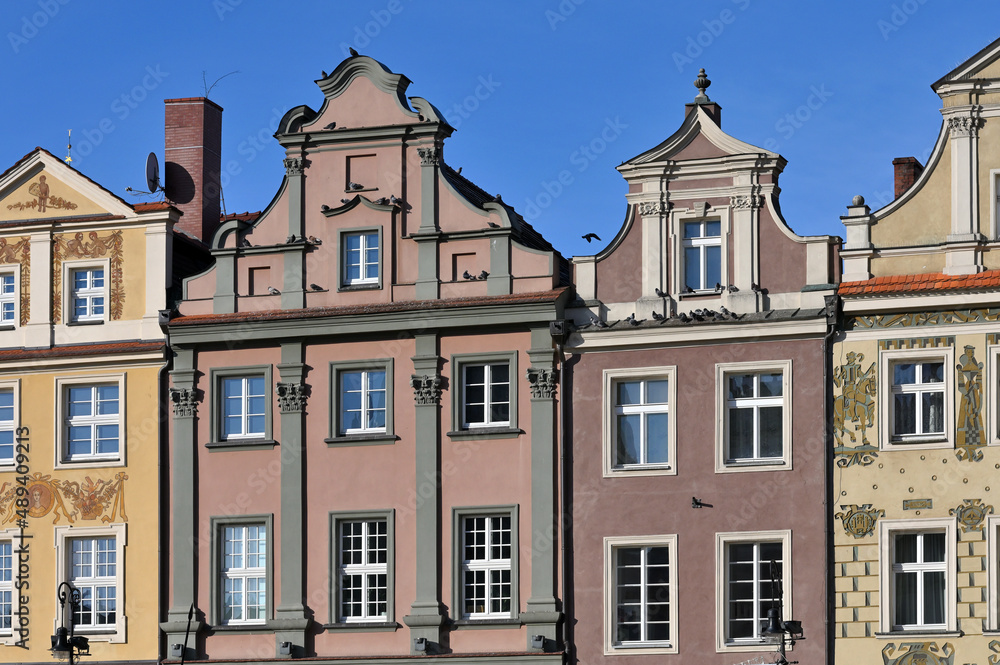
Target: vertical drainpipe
x: 832, y: 311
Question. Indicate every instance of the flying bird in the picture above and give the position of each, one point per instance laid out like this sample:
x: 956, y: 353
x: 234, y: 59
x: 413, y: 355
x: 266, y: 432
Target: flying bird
x: 273, y: 291
x: 591, y: 236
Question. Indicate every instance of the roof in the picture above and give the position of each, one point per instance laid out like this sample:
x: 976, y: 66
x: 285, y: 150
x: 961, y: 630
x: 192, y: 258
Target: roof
x: 80, y: 350
x: 70, y: 167
x: 354, y: 310
x: 702, y: 317
x: 925, y: 283
x: 241, y: 216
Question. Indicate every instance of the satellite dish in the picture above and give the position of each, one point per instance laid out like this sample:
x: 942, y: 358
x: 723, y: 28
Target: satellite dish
x: 152, y: 173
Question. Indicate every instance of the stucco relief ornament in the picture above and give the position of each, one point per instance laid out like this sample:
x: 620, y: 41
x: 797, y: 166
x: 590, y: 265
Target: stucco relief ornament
x: 185, y: 401
x: 294, y: 165
x: 653, y: 207
x: 964, y: 126
x: 971, y: 514
x: 740, y: 202
x: 859, y: 521
x: 918, y: 653
x: 969, y: 443
x: 291, y: 397
x: 429, y: 156
x: 542, y: 382
x: 910, y: 319
x: 854, y: 409
x: 426, y: 388
x: 91, y: 247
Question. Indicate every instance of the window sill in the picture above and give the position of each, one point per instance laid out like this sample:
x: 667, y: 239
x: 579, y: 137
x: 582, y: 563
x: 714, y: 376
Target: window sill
x: 488, y: 624
x: 896, y: 634
x: 7, y: 328
x: 911, y: 444
x: 381, y: 439
x: 252, y: 628
x: 362, y: 627
x: 647, y: 648
x: 375, y: 286
x: 85, y: 323
x: 487, y: 433
x: 643, y: 470
x: 241, y: 444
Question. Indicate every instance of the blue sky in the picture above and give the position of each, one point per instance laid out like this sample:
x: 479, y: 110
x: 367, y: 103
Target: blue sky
x: 534, y: 88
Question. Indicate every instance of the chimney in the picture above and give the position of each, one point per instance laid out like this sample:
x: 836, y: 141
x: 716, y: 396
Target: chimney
x: 906, y: 170
x: 193, y: 163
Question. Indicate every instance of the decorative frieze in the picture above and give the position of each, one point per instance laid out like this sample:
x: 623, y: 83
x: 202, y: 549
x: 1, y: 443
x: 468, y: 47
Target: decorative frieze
x: 859, y: 521
x: 743, y: 202
x: 185, y: 401
x: 87, y: 499
x: 429, y: 156
x: 91, y: 247
x: 970, y: 440
x: 916, y: 343
x: 964, y: 126
x: 426, y: 388
x: 291, y: 397
x: 909, y: 319
x: 971, y: 514
x: 542, y: 381
x: 653, y: 207
x: 918, y: 653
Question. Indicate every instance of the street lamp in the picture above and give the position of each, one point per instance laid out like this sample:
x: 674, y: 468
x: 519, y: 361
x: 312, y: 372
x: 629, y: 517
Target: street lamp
x: 777, y: 630
x: 66, y: 645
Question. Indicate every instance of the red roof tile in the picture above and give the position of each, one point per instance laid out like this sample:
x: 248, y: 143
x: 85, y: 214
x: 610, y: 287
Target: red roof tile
x: 927, y: 282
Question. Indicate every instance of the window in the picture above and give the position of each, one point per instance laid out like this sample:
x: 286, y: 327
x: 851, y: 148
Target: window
x: 92, y: 421
x: 93, y: 571
x: 362, y: 401
x: 486, y: 393
x: 364, y: 570
x: 641, y: 594
x: 243, y: 407
x: 918, y: 574
x: 6, y: 587
x: 486, y: 563
x: 93, y: 560
x: 918, y: 398
x: 7, y: 425
x: 241, y: 403
x: 8, y: 299
x: 702, y: 255
x: 755, y: 406
x: 244, y: 574
x: 87, y: 298
x: 639, y: 431
x: 745, y: 587
x: 361, y: 258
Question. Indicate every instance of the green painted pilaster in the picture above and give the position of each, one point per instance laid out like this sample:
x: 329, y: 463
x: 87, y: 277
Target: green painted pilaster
x: 224, y: 300
x: 293, y: 291
x: 291, y: 616
x: 499, y: 281
x: 428, y: 234
x: 184, y: 535
x: 426, y: 618
x: 541, y: 614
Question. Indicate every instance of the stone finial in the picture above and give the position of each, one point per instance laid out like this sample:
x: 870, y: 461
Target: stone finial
x: 702, y: 84
x: 858, y: 200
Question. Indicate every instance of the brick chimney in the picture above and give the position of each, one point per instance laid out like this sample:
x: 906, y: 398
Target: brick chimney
x: 193, y: 156
x: 906, y: 170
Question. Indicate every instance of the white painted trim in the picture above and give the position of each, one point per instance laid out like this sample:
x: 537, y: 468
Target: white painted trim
x: 610, y: 544
x: 17, y: 540
x: 15, y: 386
x: 886, y: 528
x: 59, y: 452
x: 722, y: 421
x: 994, y: 203
x: 722, y: 540
x: 992, y: 573
x: 63, y: 563
x: 888, y: 357
x: 611, y: 376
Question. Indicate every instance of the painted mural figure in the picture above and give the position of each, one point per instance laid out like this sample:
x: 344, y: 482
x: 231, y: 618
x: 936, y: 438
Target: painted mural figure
x: 856, y: 403
x: 43, y: 193
x: 970, y: 410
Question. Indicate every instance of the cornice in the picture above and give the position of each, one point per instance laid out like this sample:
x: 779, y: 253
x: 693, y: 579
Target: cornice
x: 583, y: 342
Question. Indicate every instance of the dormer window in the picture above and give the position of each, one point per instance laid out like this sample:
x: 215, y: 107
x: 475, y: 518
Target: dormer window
x: 702, y: 255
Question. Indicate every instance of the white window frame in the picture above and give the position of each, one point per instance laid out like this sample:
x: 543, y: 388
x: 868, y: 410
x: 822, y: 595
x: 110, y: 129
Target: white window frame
x: 701, y: 243
x: 722, y: 371
x: 993, y: 572
x: 722, y: 543
x: 244, y: 573
x: 63, y: 384
x: 11, y: 425
x: 461, y: 565
x: 88, y: 293
x: 991, y: 393
x: 610, y: 412
x: 887, y: 529
x: 64, y: 556
x: 364, y: 569
x: 888, y: 358
x: 364, y: 235
x: 611, y: 546
x: 365, y: 393
x: 487, y: 385
x: 244, y: 398
x: 10, y: 298
x: 13, y: 537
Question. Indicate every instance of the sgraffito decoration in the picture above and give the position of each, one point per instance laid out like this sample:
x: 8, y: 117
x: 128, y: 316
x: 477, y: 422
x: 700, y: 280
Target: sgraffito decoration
x: 911, y: 319
x: 916, y: 343
x: 971, y: 514
x: 918, y: 653
x: 45, y: 494
x: 859, y: 521
x: 20, y: 253
x: 92, y: 247
x: 43, y: 199
x: 994, y: 658
x: 969, y: 443
x: 854, y: 407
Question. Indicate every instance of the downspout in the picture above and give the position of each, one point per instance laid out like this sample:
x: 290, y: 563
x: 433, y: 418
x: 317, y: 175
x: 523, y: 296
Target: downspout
x: 832, y: 312
x: 562, y: 493
x: 163, y: 475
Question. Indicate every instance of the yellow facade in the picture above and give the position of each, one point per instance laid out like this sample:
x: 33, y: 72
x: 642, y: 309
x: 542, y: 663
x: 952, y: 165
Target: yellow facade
x: 82, y: 275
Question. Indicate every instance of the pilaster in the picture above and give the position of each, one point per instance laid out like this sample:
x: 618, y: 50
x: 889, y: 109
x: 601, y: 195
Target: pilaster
x: 38, y: 332
x: 426, y: 617
x: 293, y: 293
x: 427, y: 235
x: 858, y: 250
x: 224, y: 300
x: 744, y: 216
x: 291, y: 618
x: 963, y: 130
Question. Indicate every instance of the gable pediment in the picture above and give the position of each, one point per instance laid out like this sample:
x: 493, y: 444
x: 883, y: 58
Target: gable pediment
x: 983, y: 65
x: 701, y: 137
